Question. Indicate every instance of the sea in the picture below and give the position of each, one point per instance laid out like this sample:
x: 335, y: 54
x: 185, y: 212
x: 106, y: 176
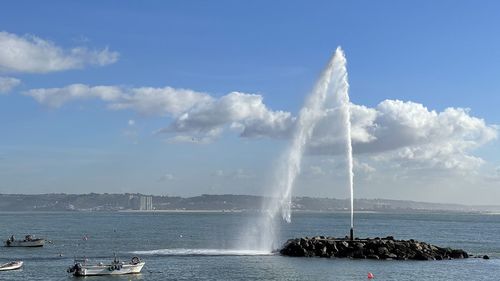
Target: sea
x: 218, y: 245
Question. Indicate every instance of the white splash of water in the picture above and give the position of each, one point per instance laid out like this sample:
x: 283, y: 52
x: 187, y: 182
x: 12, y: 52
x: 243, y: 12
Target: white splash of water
x: 345, y: 105
x: 330, y: 94
x: 201, y: 252
x: 341, y: 97
x: 309, y: 115
x: 332, y: 85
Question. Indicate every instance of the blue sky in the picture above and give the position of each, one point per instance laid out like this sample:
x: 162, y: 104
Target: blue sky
x: 438, y: 54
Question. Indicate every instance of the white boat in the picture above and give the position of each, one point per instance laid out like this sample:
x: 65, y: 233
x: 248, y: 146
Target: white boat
x: 28, y: 241
x: 81, y: 268
x: 11, y: 265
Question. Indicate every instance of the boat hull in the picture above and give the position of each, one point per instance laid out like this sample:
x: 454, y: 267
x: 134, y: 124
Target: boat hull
x: 32, y: 243
x: 11, y: 266
x: 95, y: 270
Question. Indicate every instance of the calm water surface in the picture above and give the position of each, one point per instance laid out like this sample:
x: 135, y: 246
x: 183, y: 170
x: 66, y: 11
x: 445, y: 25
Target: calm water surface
x: 174, y: 245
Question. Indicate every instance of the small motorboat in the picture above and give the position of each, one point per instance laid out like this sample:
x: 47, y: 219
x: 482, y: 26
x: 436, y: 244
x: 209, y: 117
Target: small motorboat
x: 28, y: 241
x: 13, y: 265
x: 116, y: 267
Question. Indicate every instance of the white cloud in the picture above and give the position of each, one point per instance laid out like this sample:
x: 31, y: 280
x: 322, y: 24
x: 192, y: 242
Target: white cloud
x: 166, y: 177
x: 237, y: 174
x: 245, y: 113
x: 190, y: 139
x: 241, y: 174
x: 151, y: 101
x: 32, y: 54
x: 404, y: 134
x: 218, y: 173
x: 407, y: 133
x: 363, y: 167
x: 160, y: 101
x: 56, y: 97
x: 198, y: 117
x: 7, y: 84
x: 316, y: 171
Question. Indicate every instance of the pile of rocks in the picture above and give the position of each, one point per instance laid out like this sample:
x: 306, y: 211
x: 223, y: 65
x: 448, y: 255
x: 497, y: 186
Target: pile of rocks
x: 376, y: 248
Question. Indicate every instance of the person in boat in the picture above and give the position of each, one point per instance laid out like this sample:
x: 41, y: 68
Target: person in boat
x: 12, y: 238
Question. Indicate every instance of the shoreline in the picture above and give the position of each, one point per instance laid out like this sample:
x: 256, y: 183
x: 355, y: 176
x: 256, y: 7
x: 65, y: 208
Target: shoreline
x: 223, y: 211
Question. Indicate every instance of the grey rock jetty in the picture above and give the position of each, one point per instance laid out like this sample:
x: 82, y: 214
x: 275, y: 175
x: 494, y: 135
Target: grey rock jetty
x: 369, y: 248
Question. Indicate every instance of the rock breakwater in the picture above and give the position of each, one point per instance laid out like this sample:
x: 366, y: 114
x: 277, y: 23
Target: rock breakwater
x: 369, y: 248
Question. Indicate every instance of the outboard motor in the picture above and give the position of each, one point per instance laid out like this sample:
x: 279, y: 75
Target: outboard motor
x: 74, y: 268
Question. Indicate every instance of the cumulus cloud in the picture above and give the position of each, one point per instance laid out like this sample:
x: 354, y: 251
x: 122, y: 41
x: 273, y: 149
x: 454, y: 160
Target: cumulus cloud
x: 31, y: 54
x: 7, y: 84
x: 150, y: 101
x: 218, y: 173
x: 405, y: 134
x: 198, y: 117
x: 237, y: 174
x: 363, y: 167
x: 56, y: 97
x: 242, y: 174
x: 245, y: 113
x: 316, y: 171
x: 410, y: 133
x: 205, y: 139
x: 166, y: 177
x: 160, y: 101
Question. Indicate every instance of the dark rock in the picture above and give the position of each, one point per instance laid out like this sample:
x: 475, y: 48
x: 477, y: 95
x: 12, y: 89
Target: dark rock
x: 382, y: 252
x: 458, y: 254
x: 331, y: 247
x: 486, y: 257
x: 423, y: 257
x: 386, y: 248
x: 359, y: 255
x: 322, y: 252
x: 392, y: 256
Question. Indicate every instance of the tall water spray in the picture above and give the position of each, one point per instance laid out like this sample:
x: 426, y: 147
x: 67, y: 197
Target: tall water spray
x: 343, y: 95
x: 333, y: 85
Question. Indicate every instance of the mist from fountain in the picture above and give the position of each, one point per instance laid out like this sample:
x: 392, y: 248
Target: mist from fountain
x: 333, y: 85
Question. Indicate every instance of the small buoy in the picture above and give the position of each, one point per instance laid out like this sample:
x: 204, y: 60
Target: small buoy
x: 180, y: 236
x: 370, y: 275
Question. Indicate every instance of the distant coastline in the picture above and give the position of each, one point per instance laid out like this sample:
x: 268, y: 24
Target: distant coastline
x: 225, y: 203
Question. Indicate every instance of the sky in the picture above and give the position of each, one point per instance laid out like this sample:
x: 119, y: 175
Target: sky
x: 201, y: 97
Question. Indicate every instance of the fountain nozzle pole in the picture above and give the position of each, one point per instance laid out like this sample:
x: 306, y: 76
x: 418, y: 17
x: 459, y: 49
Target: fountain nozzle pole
x: 352, y: 234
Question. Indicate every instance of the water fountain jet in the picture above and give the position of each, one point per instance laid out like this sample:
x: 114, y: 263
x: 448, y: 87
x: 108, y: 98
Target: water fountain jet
x: 332, y: 84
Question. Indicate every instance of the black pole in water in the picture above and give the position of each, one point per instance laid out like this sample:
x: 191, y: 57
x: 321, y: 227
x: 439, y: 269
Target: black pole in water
x: 352, y: 234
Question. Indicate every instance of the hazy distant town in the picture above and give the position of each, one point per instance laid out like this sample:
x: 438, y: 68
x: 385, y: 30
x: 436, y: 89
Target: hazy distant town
x: 227, y: 202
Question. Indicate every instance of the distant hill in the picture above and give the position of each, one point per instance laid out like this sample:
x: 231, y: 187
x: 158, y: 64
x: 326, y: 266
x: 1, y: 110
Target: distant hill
x: 226, y: 202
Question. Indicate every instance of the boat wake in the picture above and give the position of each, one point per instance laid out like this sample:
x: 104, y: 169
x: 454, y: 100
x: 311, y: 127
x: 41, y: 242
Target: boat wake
x: 202, y: 252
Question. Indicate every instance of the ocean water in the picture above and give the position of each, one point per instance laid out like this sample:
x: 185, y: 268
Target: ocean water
x: 210, y: 246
